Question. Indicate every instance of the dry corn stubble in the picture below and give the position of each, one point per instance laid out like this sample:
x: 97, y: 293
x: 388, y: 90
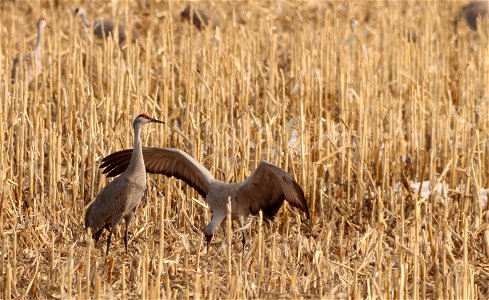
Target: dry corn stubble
x: 339, y: 106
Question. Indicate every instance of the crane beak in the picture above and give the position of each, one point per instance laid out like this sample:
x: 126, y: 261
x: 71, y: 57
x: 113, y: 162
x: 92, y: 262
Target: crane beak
x: 156, y: 121
x: 208, y: 238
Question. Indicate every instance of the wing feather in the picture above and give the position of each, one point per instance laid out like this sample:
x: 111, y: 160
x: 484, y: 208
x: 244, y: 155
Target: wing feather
x: 267, y: 188
x: 170, y: 162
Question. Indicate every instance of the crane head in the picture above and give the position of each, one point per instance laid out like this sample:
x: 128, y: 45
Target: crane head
x: 208, y: 238
x: 41, y: 23
x: 208, y: 233
x: 79, y: 11
x: 185, y: 14
x: 144, y: 118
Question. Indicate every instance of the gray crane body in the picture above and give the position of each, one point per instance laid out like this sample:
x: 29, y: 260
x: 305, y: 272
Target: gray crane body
x: 219, y: 193
x: 120, y: 193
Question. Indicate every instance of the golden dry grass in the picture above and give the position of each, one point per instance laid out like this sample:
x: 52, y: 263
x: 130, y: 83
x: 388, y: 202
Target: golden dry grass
x: 284, y: 81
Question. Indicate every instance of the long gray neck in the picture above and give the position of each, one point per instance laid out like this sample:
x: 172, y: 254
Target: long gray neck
x: 217, y: 217
x: 137, y: 160
x: 37, y: 47
x: 85, y: 20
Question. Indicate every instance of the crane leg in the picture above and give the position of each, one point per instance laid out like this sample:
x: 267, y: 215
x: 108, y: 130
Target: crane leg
x: 225, y: 234
x: 243, y: 241
x: 108, y: 242
x: 125, y: 238
x: 127, y: 219
x: 241, y: 223
x: 115, y: 222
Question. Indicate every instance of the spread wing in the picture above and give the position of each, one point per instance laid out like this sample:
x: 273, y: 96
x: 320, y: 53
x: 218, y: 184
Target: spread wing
x: 267, y: 188
x: 170, y: 162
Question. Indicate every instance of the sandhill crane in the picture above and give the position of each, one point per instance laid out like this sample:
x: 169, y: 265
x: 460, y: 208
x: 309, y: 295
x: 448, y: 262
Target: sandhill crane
x: 472, y: 11
x: 121, y: 197
x: 104, y: 28
x: 32, y: 61
x: 201, y: 17
x: 265, y: 189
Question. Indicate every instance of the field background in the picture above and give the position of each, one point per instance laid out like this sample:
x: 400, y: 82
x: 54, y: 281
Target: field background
x: 356, y: 116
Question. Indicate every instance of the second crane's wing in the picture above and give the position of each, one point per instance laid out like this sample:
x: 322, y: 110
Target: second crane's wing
x: 170, y: 162
x: 267, y: 188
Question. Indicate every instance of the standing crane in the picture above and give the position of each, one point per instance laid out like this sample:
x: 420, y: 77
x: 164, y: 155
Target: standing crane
x: 121, y: 197
x: 104, y: 28
x: 31, y: 61
x: 265, y: 189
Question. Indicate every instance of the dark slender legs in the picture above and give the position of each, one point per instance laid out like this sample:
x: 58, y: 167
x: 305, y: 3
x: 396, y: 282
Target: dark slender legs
x: 243, y: 241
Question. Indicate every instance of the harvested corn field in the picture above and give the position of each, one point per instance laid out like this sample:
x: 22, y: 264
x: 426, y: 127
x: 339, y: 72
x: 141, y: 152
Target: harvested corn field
x: 379, y: 110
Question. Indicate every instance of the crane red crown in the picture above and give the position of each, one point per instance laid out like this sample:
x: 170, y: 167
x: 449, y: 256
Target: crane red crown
x: 143, y: 116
